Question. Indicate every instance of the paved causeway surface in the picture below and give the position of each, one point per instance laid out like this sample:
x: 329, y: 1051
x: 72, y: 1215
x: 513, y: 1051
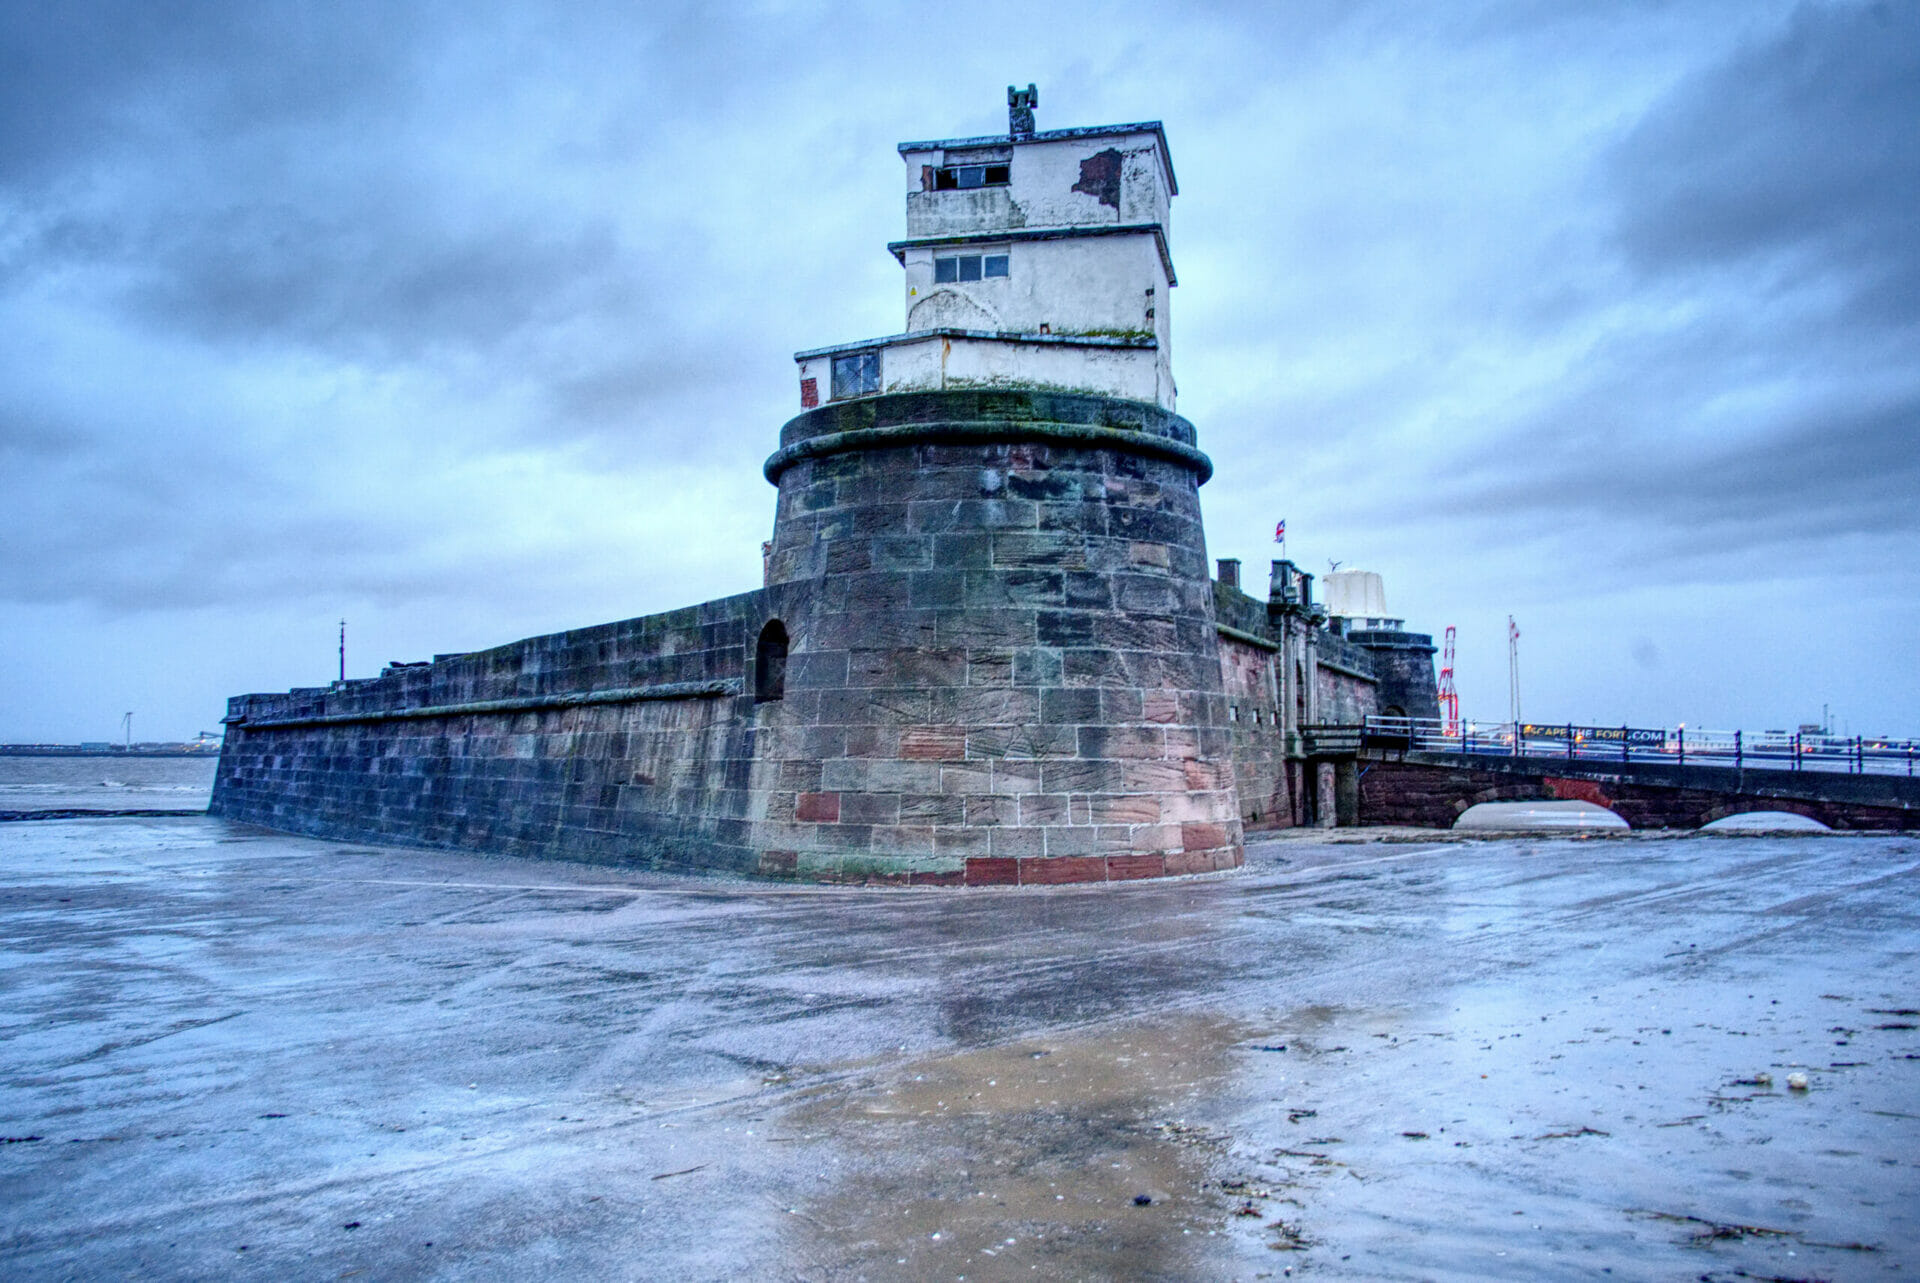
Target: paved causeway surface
x: 227, y: 1053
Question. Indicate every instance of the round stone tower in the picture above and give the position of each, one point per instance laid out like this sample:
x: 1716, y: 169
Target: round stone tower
x: 989, y: 653
x: 993, y: 629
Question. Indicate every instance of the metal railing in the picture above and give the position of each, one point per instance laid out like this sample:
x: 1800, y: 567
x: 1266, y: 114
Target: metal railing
x: 1763, y: 750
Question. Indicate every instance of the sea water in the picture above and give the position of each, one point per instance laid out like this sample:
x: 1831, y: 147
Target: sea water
x: 174, y: 783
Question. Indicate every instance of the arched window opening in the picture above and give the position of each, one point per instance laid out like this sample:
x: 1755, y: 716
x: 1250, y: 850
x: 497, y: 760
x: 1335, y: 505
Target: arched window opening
x: 770, y: 663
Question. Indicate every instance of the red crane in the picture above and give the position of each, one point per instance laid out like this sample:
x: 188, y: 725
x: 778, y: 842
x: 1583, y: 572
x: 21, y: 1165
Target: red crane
x: 1449, y: 698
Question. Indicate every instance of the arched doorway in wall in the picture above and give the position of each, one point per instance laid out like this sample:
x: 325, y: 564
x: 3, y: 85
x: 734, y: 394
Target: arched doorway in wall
x: 770, y: 663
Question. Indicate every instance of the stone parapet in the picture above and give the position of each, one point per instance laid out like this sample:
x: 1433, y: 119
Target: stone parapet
x: 628, y: 743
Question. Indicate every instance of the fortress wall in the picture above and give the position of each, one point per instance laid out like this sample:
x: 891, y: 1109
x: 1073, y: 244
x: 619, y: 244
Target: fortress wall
x: 628, y: 743
x: 1341, y: 696
x: 1002, y: 666
x: 1259, y: 747
x: 1404, y: 664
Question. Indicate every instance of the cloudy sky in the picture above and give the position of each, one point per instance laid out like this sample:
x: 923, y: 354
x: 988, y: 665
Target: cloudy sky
x: 474, y: 321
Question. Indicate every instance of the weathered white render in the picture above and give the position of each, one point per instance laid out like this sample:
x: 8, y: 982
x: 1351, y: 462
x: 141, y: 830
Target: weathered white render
x: 1031, y: 259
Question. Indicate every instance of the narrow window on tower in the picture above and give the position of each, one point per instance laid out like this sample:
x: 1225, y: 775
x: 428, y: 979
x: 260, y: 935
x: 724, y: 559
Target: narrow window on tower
x: 964, y: 177
x: 856, y: 374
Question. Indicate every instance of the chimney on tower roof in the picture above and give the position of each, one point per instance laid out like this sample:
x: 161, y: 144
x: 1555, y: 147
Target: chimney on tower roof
x: 1020, y: 105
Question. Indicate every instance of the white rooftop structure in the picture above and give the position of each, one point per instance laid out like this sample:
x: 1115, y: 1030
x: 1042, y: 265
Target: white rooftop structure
x: 1360, y: 598
x: 1033, y: 259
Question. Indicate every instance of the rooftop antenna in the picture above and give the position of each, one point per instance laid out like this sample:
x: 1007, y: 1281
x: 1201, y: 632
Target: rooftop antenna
x: 343, y: 650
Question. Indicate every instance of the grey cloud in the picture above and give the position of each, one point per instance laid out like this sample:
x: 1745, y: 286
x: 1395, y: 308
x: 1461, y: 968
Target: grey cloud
x: 383, y: 288
x: 84, y: 82
x: 547, y: 262
x: 1800, y: 150
x: 1759, y: 388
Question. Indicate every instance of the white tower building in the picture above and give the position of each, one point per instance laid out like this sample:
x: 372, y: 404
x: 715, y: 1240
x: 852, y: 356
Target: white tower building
x: 1032, y: 259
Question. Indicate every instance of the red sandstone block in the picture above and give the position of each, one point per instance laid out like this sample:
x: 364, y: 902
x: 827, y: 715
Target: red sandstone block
x: 1153, y: 777
x: 1043, y: 808
x: 1206, y: 775
x: 1129, y: 741
x: 1189, y: 862
x: 1122, y: 868
x: 1182, y: 742
x: 1152, y: 839
x: 1160, y: 706
x: 1016, y: 777
x: 991, y: 871
x: 817, y: 808
x: 1577, y: 790
x: 1052, y: 871
x: 879, y: 879
x: 974, y: 777
x: 1017, y: 842
x: 1125, y: 809
x: 903, y: 839
x: 1064, y: 839
x: 953, y: 878
x: 1143, y: 553
x: 933, y: 743
x: 986, y: 809
x: 1183, y: 808
x: 962, y: 842
x: 1203, y: 837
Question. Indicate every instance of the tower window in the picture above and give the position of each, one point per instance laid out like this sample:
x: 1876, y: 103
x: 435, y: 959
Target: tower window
x: 962, y: 177
x: 856, y: 374
x: 968, y: 267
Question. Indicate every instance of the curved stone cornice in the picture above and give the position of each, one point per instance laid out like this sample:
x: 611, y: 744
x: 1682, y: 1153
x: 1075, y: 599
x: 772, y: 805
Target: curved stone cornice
x: 973, y: 416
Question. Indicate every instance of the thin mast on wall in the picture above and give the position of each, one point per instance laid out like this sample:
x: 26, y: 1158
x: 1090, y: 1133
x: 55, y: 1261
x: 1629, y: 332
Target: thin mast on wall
x: 1513, y: 672
x: 343, y: 650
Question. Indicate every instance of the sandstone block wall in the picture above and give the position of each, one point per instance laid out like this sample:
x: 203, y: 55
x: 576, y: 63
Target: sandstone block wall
x: 1259, y: 744
x: 1346, y: 691
x: 629, y: 743
x: 1403, y: 665
x: 1004, y: 664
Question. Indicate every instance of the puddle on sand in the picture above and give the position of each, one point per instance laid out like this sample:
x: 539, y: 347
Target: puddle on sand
x: 1025, y: 1161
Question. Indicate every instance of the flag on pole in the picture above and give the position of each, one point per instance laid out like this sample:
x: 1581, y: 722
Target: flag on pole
x: 1280, y: 532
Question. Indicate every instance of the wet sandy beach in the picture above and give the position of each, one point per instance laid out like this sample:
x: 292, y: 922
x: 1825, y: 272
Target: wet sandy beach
x: 232, y: 1053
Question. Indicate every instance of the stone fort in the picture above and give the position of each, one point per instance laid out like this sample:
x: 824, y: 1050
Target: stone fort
x: 987, y: 648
